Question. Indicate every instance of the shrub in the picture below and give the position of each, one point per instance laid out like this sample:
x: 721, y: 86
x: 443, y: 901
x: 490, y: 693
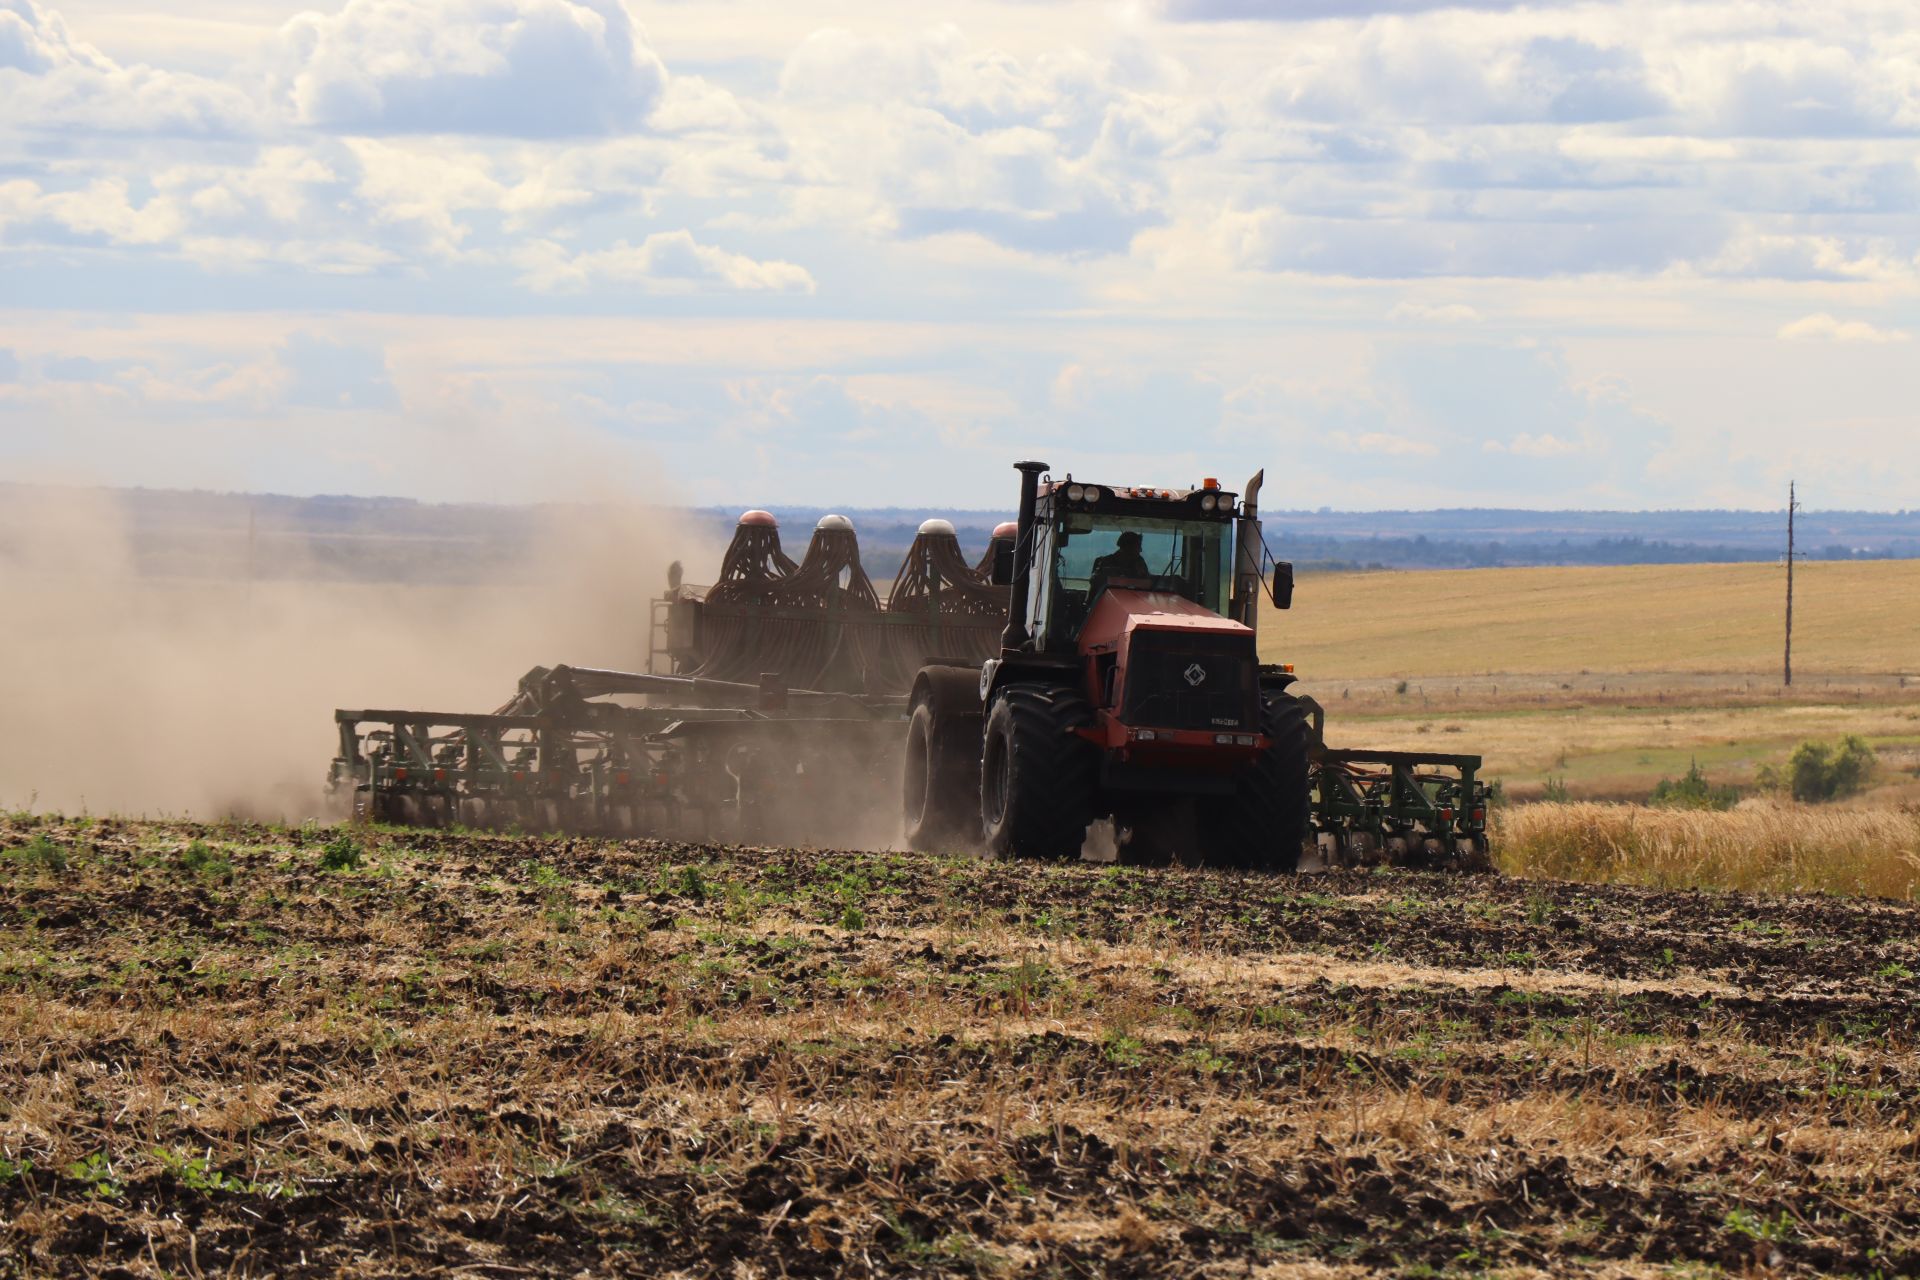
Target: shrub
x: 1555, y: 791
x: 1817, y: 772
x: 1693, y: 791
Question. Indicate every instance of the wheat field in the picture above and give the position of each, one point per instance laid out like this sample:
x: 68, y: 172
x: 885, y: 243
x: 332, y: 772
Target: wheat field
x: 1760, y: 846
x: 1850, y: 618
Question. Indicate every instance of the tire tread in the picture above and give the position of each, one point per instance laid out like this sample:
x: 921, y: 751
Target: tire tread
x: 1055, y: 775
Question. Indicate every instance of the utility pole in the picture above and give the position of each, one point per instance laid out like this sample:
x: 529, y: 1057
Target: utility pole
x: 1792, y: 506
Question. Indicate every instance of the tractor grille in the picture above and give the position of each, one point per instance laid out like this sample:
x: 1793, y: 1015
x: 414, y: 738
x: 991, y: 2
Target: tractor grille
x: 1179, y: 681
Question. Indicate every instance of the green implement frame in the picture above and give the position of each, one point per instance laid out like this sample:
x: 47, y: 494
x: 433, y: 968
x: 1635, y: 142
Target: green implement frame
x: 1408, y: 808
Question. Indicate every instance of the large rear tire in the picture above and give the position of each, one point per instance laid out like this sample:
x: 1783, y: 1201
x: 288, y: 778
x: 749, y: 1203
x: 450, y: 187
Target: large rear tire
x: 1039, y: 779
x: 937, y: 797
x: 1263, y: 825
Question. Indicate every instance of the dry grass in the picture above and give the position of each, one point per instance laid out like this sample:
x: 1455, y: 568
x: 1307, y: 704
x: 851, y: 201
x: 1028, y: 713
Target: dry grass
x: 1761, y: 846
x: 1849, y: 617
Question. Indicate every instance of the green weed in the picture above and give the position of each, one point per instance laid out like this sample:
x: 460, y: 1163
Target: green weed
x: 41, y: 853
x: 342, y: 853
x: 202, y: 859
x: 195, y: 1173
x: 1123, y: 1050
x: 97, y: 1174
x: 1754, y: 1226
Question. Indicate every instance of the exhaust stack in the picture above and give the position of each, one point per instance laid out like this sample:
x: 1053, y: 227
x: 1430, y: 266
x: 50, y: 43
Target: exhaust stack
x: 1245, y: 605
x: 1016, y: 636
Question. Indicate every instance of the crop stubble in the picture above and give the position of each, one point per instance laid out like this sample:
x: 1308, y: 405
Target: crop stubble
x: 550, y: 1055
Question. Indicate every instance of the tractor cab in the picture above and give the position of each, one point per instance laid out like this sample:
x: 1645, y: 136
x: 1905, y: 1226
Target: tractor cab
x: 1090, y: 539
x: 1136, y: 585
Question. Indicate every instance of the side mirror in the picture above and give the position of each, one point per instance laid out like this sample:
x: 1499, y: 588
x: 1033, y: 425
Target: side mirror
x: 1002, y: 572
x: 1282, y: 589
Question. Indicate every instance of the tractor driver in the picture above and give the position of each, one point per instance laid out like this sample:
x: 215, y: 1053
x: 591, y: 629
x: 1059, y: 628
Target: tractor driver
x: 1125, y: 561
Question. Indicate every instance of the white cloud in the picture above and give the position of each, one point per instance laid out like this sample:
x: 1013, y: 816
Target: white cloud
x: 53, y: 82
x: 1589, y: 145
x: 1795, y: 256
x: 1804, y: 87
x: 518, y: 68
x: 822, y: 406
x: 1442, y: 313
x: 428, y: 187
x: 1063, y: 154
x: 1384, y: 443
x: 979, y: 89
x: 1543, y: 445
x: 665, y: 262
x: 1311, y: 10
x: 1396, y: 70
x: 1821, y: 327
x: 1458, y: 235
x: 282, y: 185
x: 105, y: 210
x: 691, y: 104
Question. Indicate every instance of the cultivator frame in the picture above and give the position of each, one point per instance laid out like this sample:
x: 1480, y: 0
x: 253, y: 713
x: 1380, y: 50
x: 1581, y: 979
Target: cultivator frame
x: 563, y: 757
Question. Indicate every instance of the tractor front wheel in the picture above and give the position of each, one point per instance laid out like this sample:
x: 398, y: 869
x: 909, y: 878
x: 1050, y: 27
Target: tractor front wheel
x: 1039, y: 778
x: 1264, y: 824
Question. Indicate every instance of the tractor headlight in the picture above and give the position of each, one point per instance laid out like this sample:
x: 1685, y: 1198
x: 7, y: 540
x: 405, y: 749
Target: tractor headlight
x: 1075, y: 492
x: 1093, y: 493
x: 1208, y: 502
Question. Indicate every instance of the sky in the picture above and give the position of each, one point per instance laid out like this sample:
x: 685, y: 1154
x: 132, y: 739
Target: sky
x: 1398, y: 253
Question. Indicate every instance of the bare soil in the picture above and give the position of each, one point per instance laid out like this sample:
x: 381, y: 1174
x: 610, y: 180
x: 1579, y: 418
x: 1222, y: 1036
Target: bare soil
x: 230, y: 1048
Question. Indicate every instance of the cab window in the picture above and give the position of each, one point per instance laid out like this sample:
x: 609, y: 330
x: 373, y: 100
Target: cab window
x: 1089, y: 551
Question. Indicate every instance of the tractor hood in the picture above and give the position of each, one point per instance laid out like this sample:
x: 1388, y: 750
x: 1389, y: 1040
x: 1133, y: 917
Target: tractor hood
x: 1120, y: 611
x: 1162, y: 662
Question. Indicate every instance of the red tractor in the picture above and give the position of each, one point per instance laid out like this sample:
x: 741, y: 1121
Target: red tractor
x: 1128, y: 686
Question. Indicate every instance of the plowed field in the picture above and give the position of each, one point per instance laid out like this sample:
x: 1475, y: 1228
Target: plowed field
x: 262, y: 1051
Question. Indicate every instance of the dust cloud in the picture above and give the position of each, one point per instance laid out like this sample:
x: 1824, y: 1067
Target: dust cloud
x: 129, y: 692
